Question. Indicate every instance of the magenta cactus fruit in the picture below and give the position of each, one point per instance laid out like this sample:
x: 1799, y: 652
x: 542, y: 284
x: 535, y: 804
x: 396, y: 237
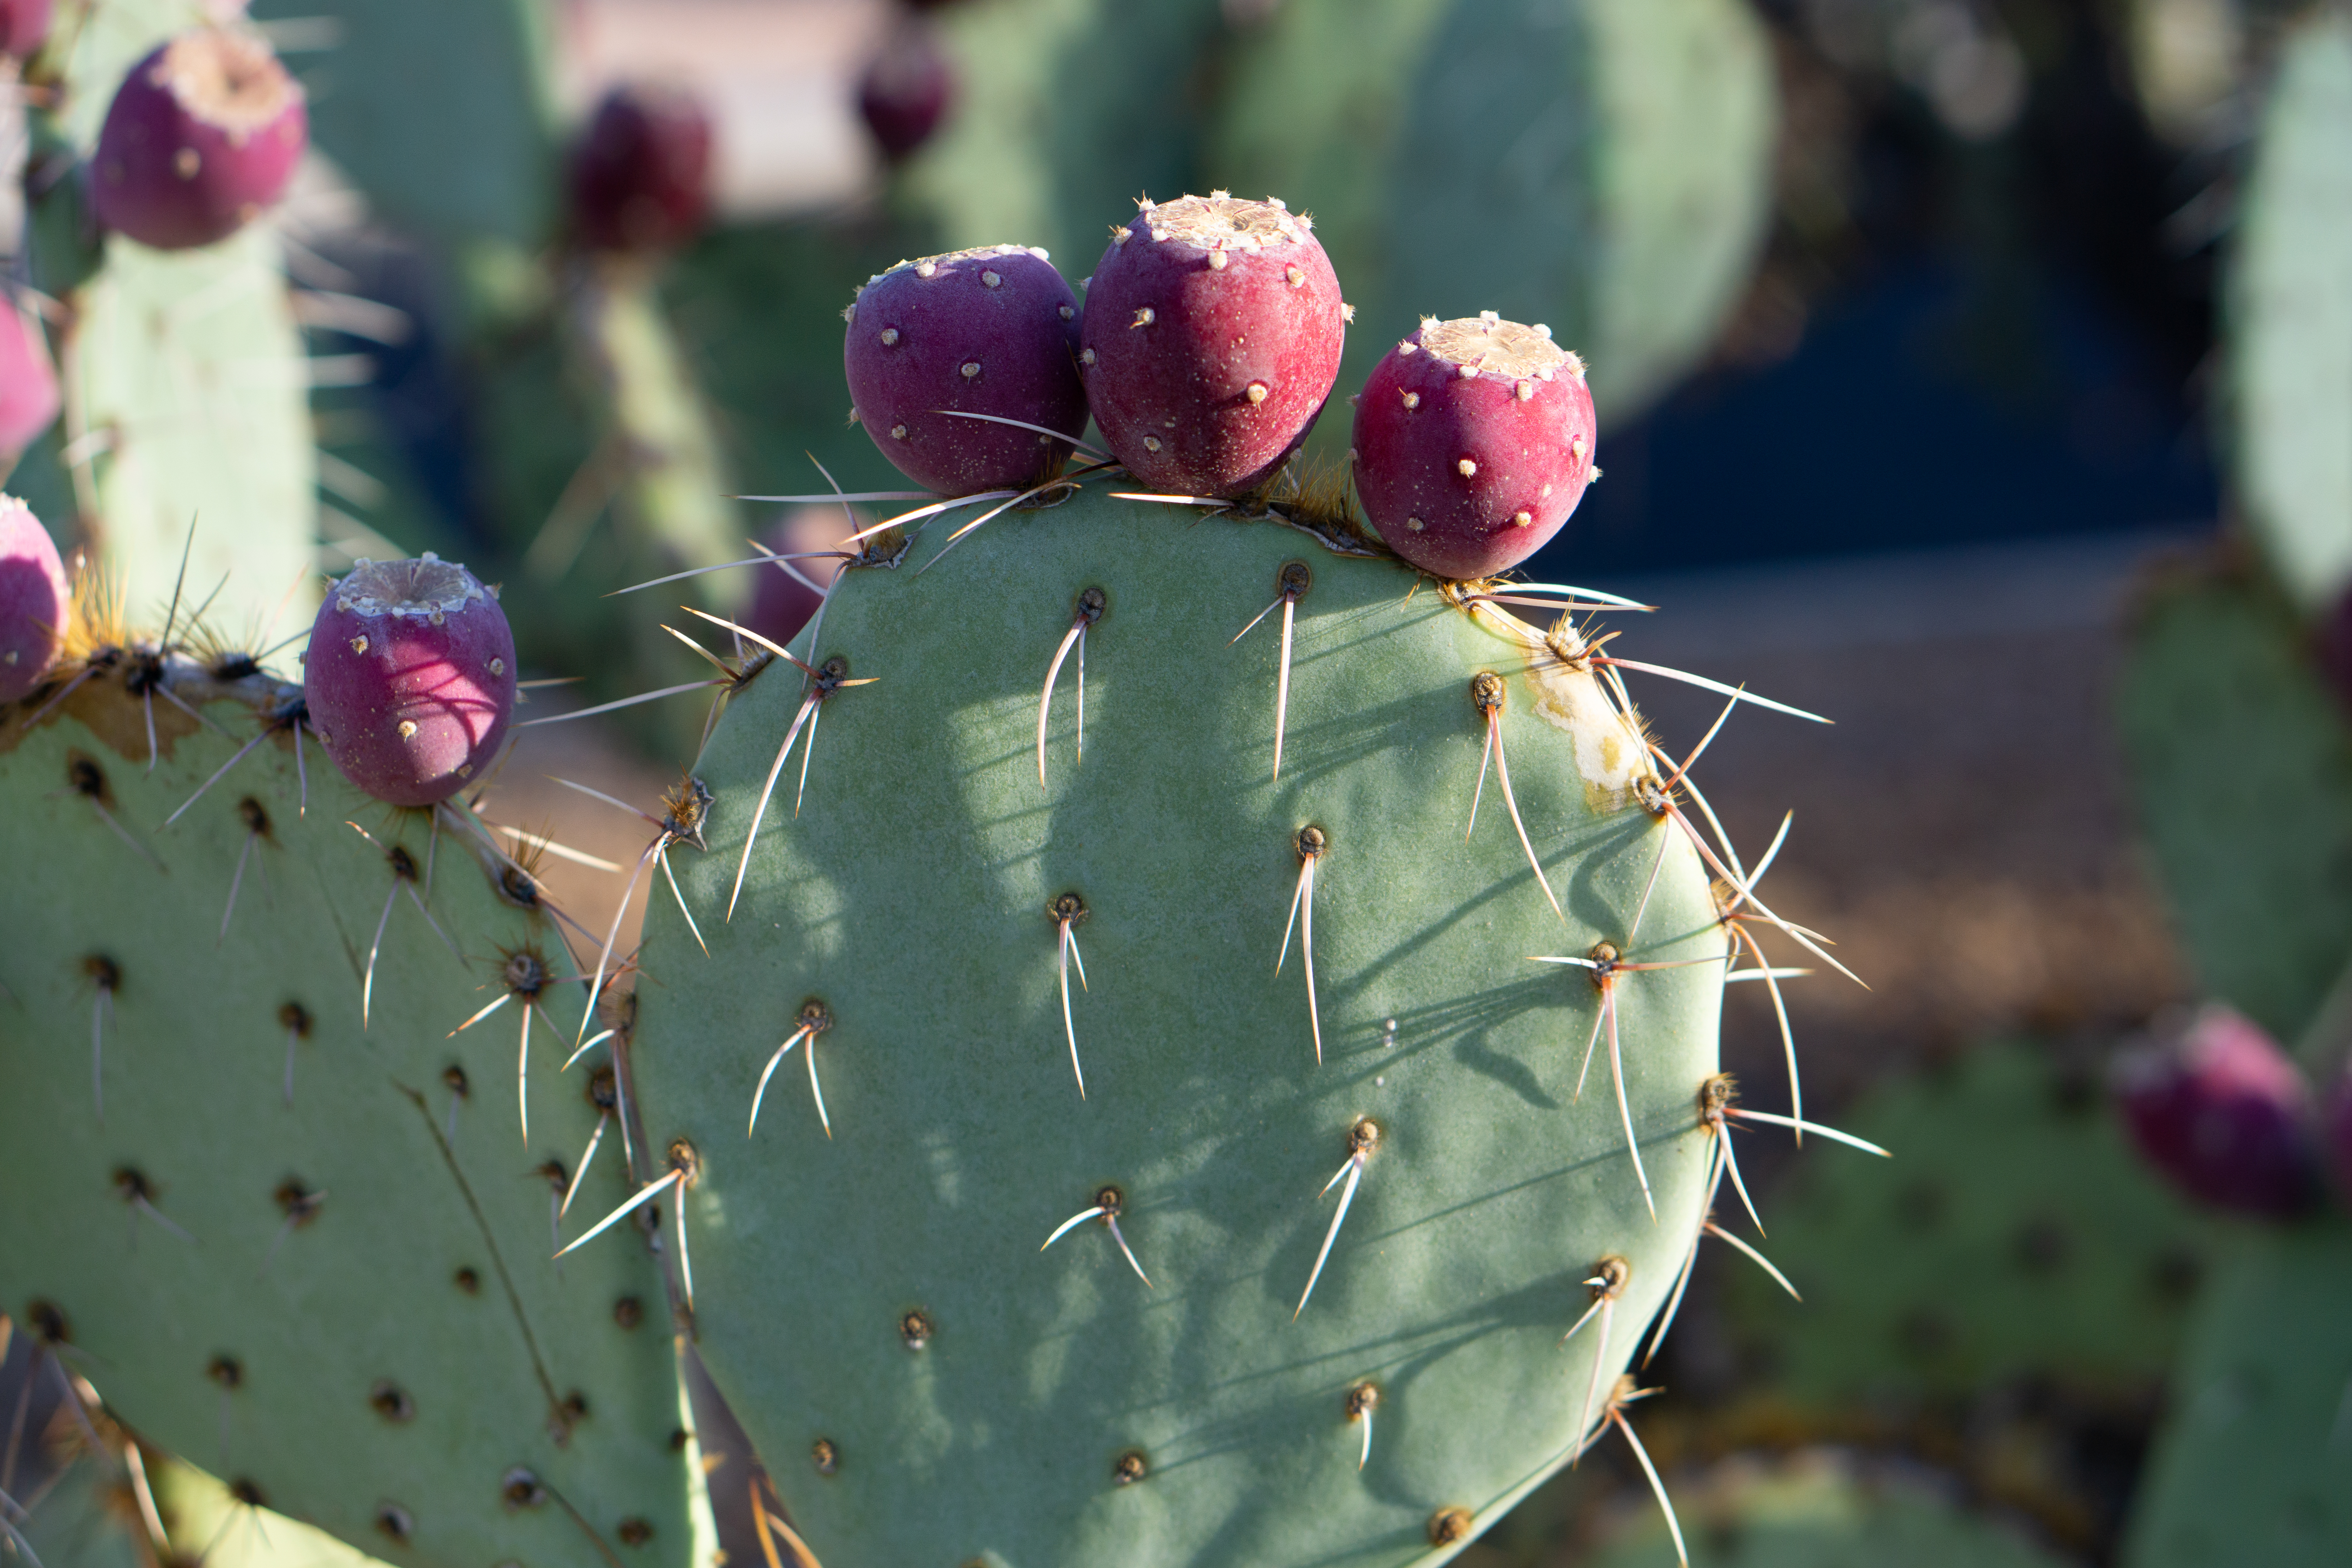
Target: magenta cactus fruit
x: 28, y: 384
x: 1213, y: 335
x: 410, y: 678
x: 992, y: 330
x: 36, y: 600
x: 203, y: 134
x: 24, y: 24
x: 2224, y: 1114
x: 907, y: 91
x: 640, y: 176
x: 1474, y: 441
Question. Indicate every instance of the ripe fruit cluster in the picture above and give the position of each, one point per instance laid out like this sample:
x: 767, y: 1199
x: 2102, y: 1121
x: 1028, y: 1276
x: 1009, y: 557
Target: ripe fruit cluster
x: 1206, y: 348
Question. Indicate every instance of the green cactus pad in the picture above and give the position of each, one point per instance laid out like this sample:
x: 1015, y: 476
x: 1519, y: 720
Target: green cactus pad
x: 1605, y: 167
x: 2291, y: 318
x: 2015, y: 1235
x: 2241, y: 764
x: 2254, y: 1465
x: 882, y: 1291
x: 347, y: 1301
x: 442, y: 111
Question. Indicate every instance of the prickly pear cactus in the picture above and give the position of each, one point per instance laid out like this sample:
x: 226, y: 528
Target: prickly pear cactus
x: 2252, y: 1467
x: 2242, y: 767
x: 312, y: 1253
x: 2016, y: 1237
x: 2291, y: 318
x: 187, y: 399
x: 926, y: 1384
x: 1603, y: 166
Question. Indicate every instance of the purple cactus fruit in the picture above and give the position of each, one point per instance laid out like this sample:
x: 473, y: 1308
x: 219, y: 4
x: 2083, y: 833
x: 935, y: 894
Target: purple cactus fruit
x: 24, y: 24
x: 779, y: 605
x: 203, y: 134
x: 410, y: 678
x: 36, y: 600
x: 907, y: 91
x: 1213, y: 335
x: 2223, y: 1114
x: 992, y: 330
x: 640, y: 177
x: 1474, y: 441
x: 28, y: 382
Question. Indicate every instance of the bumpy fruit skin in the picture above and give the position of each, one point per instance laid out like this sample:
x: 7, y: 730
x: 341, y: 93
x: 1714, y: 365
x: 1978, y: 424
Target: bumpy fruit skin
x: 28, y: 384
x: 410, y: 678
x: 35, y: 599
x: 1474, y: 441
x: 203, y: 134
x: 2224, y: 1114
x: 640, y: 177
x: 992, y: 330
x: 24, y: 24
x: 907, y: 91
x: 1213, y: 335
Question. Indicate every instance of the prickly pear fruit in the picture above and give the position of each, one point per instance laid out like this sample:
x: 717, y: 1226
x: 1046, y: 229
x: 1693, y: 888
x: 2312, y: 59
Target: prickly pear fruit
x: 640, y: 177
x: 1212, y: 334
x: 35, y: 599
x: 28, y: 384
x: 203, y: 134
x: 24, y: 24
x: 1474, y: 441
x: 2224, y: 1114
x: 992, y: 330
x: 410, y: 678
x: 907, y: 91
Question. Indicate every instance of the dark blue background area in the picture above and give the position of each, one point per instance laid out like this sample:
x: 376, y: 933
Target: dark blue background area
x: 1931, y: 405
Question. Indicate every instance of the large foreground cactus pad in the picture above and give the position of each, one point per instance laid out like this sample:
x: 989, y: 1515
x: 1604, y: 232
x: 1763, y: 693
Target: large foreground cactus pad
x: 927, y: 1387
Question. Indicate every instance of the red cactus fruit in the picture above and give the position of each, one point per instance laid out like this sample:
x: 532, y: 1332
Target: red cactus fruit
x: 24, y: 24
x: 34, y: 600
x: 1213, y: 335
x: 2224, y: 1114
x: 779, y: 605
x: 28, y: 382
x: 203, y: 134
x: 640, y: 177
x: 907, y: 91
x: 1474, y: 441
x: 410, y: 678
x: 992, y: 330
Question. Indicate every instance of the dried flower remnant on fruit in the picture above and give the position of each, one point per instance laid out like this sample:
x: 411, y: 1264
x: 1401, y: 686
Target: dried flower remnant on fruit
x: 202, y: 136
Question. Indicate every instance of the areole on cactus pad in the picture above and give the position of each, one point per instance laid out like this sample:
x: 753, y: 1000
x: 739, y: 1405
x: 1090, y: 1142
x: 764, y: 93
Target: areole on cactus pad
x: 948, y: 941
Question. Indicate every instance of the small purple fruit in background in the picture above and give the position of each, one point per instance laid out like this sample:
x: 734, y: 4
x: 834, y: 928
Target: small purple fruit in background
x: 907, y: 91
x: 36, y: 600
x: 203, y: 134
x: 992, y: 330
x: 2224, y: 1114
x: 781, y: 607
x: 410, y: 678
x: 1213, y: 335
x: 24, y: 24
x: 1474, y: 441
x: 640, y: 176
x: 28, y: 382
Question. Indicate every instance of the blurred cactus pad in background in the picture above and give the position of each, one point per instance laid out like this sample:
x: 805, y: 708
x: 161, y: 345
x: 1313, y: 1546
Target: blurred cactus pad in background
x: 880, y: 813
